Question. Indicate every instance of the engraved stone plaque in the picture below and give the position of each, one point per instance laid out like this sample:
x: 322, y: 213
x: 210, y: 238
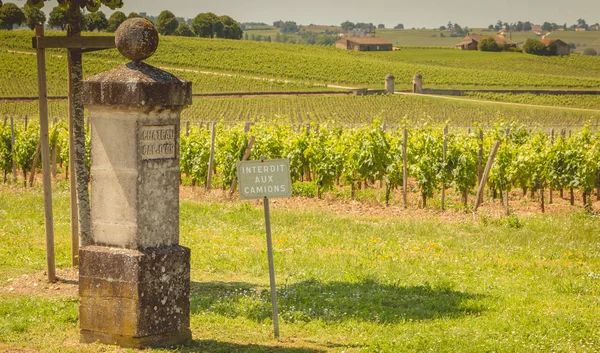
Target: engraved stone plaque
x: 157, y: 141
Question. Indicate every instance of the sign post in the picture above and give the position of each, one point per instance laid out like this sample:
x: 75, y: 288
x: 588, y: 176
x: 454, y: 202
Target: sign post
x: 266, y: 179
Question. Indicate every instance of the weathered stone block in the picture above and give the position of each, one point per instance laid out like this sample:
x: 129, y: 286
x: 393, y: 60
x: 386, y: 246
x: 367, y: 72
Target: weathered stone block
x: 134, y: 298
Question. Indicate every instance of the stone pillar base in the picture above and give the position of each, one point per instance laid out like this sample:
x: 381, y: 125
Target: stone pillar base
x: 134, y: 298
x: 137, y: 342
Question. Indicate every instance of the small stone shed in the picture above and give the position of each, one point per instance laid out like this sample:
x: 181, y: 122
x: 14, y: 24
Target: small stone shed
x: 562, y: 48
x: 364, y: 44
x: 471, y: 42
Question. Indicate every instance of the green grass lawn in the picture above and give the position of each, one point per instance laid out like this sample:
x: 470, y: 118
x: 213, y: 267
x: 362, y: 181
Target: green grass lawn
x: 347, y: 282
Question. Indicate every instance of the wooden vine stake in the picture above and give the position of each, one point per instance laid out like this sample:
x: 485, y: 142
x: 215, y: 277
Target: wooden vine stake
x: 45, y: 149
x: 485, y: 175
x: 480, y: 161
x: 444, y: 152
x: 13, y: 139
x: 211, y: 160
x: 244, y: 158
x: 54, y: 153
x: 550, y: 190
x: 35, y: 162
x: 404, y: 168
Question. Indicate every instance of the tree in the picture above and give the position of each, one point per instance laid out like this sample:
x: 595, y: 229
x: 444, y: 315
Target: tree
x: 10, y: 15
x: 547, y: 26
x: 590, y: 52
x: 527, y: 26
x: 278, y: 24
x: 33, y: 16
x: 289, y: 27
x: 381, y: 26
x: 231, y: 29
x: 488, y: 44
x: 518, y: 26
x: 133, y: 15
x: 582, y: 24
x: 498, y: 25
x: 534, y: 46
x: 183, y: 31
x: 347, y: 26
x: 399, y: 26
x: 204, y: 25
x: 115, y: 20
x: 96, y: 21
x: 59, y: 17
x: 166, y: 23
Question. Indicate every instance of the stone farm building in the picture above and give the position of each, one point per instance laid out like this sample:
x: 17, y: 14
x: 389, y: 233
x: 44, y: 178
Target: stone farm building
x: 364, y: 44
x: 562, y: 48
x: 471, y: 42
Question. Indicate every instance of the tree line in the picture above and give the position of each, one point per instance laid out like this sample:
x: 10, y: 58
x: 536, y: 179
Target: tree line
x: 526, y: 26
x: 206, y: 25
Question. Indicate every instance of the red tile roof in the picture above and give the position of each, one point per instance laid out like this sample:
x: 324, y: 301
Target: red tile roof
x: 547, y: 41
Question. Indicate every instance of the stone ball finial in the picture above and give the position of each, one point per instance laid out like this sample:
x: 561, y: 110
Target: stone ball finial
x: 136, y: 39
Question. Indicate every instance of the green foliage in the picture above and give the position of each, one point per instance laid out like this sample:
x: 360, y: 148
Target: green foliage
x: 10, y: 15
x: 25, y: 147
x: 89, y: 5
x: 115, y: 20
x: 289, y: 27
x: 304, y: 189
x: 206, y: 25
x: 534, y: 46
x: 33, y: 16
x: 322, y: 158
x: 166, y: 23
x: 183, y: 31
x: 6, y: 150
x: 488, y: 44
x: 194, y: 155
x: 231, y: 29
x: 460, y: 169
x: 425, y: 160
x: 59, y: 17
x: 96, y: 21
x: 230, y: 147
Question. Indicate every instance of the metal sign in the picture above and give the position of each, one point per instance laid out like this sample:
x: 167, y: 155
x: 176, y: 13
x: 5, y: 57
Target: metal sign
x: 264, y: 178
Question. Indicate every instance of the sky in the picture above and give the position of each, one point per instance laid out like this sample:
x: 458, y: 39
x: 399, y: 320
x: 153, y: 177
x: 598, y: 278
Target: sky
x: 411, y: 13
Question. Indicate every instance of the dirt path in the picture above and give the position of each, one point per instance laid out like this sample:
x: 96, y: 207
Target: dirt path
x: 500, y: 103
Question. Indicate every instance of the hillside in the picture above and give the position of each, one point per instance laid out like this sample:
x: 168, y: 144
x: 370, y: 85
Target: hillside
x: 442, y: 68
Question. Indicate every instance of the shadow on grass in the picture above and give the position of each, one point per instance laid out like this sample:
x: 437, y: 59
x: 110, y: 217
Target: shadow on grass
x: 310, y: 300
x: 227, y: 347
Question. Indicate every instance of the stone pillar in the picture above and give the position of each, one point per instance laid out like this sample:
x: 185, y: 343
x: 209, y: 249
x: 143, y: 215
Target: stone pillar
x: 389, y: 84
x: 134, y: 280
x: 417, y: 83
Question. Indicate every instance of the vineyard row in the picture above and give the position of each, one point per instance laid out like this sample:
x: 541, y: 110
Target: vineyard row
x: 323, y: 156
